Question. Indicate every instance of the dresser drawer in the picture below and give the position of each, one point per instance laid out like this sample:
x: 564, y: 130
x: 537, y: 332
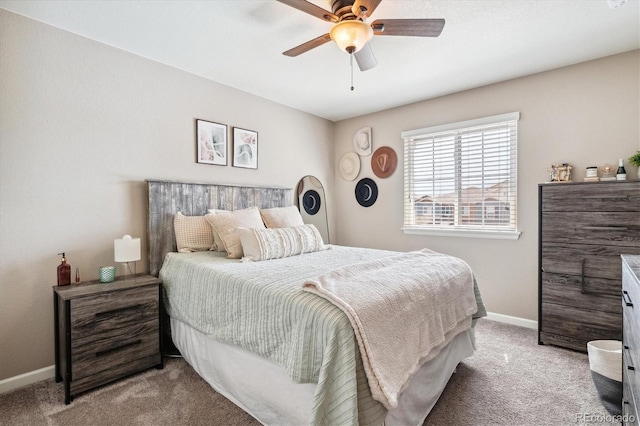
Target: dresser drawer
x: 579, y: 325
x: 629, y: 404
x: 600, y: 197
x: 597, y: 261
x: 599, y: 228
x: 96, y: 314
x: 599, y: 293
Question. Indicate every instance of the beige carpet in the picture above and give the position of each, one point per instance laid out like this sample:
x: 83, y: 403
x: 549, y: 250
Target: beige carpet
x: 509, y: 381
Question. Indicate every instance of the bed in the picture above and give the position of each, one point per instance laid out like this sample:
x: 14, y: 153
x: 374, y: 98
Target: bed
x: 267, y: 334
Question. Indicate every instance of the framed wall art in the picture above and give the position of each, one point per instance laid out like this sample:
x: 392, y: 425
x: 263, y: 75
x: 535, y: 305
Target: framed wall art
x: 211, y: 139
x: 245, y: 148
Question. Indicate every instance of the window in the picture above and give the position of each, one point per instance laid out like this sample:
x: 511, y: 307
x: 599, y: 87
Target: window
x: 460, y: 178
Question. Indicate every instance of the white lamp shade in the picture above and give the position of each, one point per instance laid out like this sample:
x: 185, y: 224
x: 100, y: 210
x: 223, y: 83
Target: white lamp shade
x: 126, y: 249
x: 351, y: 34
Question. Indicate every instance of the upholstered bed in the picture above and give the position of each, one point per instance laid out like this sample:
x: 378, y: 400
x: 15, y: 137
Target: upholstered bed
x: 271, y: 330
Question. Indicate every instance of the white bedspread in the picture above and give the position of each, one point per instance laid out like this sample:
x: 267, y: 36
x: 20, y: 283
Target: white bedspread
x: 404, y: 309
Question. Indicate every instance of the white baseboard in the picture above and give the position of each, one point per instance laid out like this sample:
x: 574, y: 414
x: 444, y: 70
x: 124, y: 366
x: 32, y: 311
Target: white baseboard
x: 25, y: 379
x: 507, y: 319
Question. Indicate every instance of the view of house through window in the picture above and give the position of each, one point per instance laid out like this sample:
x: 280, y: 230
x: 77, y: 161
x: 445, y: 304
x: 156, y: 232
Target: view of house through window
x: 462, y: 177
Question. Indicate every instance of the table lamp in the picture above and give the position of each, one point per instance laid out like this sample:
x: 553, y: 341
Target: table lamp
x: 126, y: 250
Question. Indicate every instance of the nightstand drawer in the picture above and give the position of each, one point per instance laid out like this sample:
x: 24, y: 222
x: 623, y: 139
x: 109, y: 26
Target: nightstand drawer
x: 96, y: 314
x: 109, y: 354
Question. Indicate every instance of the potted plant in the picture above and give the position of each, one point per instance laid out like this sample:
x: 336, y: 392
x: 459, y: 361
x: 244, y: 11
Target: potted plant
x: 635, y: 160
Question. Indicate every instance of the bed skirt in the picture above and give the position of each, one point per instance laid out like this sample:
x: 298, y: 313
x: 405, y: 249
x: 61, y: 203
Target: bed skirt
x: 262, y: 389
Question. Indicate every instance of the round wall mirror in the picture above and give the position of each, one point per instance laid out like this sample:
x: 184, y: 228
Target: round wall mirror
x: 312, y: 204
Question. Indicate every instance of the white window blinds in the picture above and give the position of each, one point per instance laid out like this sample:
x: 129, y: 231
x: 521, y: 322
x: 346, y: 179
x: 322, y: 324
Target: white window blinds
x: 461, y: 177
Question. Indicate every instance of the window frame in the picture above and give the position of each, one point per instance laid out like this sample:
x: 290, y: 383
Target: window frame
x: 457, y: 230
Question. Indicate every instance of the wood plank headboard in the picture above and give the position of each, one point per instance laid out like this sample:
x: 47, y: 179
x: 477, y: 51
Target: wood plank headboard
x: 166, y: 198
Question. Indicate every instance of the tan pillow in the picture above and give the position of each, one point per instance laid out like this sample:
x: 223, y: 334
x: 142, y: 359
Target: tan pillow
x: 276, y: 243
x: 216, y: 237
x: 226, y: 222
x: 281, y: 217
x: 193, y: 233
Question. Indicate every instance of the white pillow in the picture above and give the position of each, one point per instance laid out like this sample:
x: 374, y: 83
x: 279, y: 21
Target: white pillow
x: 193, y: 233
x: 226, y: 222
x: 276, y: 243
x: 216, y: 237
x: 281, y: 217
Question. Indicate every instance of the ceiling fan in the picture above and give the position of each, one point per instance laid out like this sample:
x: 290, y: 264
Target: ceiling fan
x: 352, y: 34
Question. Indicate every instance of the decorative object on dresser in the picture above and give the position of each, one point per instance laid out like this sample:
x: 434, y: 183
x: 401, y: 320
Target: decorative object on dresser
x: 560, y: 172
x: 583, y: 229
x: 635, y: 160
x: 104, y: 332
x: 630, y: 339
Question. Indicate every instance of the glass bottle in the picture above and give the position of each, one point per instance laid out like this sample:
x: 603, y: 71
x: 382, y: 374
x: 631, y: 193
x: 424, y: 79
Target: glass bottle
x: 621, y: 174
x: 64, y: 271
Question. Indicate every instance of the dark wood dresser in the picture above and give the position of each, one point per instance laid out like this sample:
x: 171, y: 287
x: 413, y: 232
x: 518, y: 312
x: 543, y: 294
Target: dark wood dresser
x: 584, y: 227
x: 630, y: 339
x: 105, y: 331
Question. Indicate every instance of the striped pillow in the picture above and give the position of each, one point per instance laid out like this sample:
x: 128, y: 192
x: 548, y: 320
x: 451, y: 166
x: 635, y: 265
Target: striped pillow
x: 193, y: 233
x: 276, y: 243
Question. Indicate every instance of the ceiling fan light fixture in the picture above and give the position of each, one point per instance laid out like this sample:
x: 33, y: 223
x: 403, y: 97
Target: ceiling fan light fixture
x: 351, y: 36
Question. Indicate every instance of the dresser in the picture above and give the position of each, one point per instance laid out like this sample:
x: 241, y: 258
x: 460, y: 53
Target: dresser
x: 584, y: 227
x: 630, y: 339
x: 106, y: 331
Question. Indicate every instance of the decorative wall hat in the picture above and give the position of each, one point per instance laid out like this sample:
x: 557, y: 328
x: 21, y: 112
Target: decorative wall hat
x: 311, y: 202
x: 349, y: 166
x: 384, y: 161
x: 362, y: 141
x: 366, y: 192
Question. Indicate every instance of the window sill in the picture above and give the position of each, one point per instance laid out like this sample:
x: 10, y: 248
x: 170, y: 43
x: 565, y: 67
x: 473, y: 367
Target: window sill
x: 464, y: 233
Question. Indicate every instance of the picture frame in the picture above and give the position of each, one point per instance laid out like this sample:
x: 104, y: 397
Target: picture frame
x: 211, y: 143
x: 245, y: 148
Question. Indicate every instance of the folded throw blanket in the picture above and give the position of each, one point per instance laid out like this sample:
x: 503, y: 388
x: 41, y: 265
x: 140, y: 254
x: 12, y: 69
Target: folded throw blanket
x: 404, y: 309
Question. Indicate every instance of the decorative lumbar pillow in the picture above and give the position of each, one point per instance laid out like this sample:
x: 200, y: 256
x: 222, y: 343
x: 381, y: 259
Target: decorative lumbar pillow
x: 193, y: 233
x: 216, y: 237
x: 281, y: 217
x: 226, y: 222
x: 276, y: 243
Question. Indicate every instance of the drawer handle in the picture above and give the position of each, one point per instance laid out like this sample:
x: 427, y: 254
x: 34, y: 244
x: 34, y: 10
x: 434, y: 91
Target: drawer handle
x: 118, y: 348
x: 626, y: 298
x: 606, y: 197
x: 117, y: 311
x: 605, y: 228
x: 583, y: 284
x: 630, y: 365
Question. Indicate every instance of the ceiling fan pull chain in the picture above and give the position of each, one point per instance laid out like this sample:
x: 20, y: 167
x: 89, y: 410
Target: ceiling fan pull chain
x: 351, y: 65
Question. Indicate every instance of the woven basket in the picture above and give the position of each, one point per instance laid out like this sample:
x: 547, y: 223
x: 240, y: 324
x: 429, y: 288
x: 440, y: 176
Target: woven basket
x: 605, y: 362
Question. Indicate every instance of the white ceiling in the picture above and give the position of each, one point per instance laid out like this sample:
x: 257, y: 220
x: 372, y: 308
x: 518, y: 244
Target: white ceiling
x: 240, y: 44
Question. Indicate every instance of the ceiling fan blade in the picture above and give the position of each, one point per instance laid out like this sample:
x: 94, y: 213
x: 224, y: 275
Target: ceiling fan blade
x: 311, y: 9
x: 365, y: 58
x: 368, y: 5
x: 408, y: 27
x: 305, y: 47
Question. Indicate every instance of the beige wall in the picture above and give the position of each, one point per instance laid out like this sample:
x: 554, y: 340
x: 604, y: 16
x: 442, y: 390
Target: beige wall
x: 587, y: 114
x: 81, y: 126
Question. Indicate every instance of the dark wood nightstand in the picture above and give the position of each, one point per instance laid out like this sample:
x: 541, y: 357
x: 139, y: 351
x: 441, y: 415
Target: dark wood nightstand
x: 106, y: 331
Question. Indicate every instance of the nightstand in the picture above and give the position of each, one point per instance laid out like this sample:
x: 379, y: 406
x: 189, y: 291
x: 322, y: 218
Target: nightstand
x: 106, y: 331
